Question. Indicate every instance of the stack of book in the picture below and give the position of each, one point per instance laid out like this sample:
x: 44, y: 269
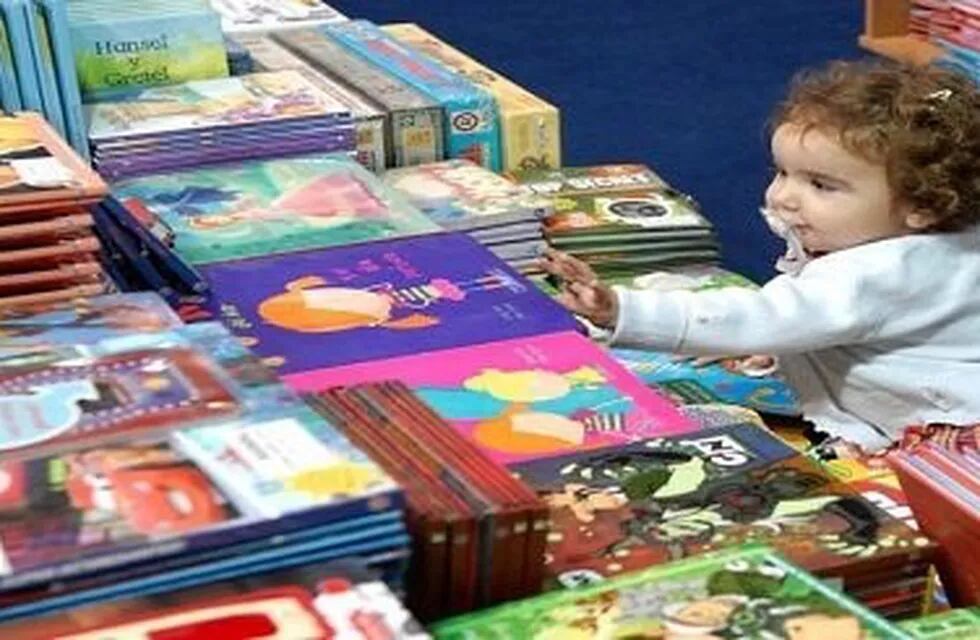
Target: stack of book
x: 413, y: 121
x: 530, y: 128
x: 747, y: 592
x: 48, y: 250
x: 460, y: 195
x: 478, y: 534
x: 622, y: 219
x: 207, y: 121
x: 37, y: 67
x: 943, y: 489
x: 319, y: 601
x: 626, y: 507
x: 122, y: 48
x: 145, y: 456
x: 261, y: 207
x: 469, y: 113
x: 250, y: 16
x: 369, y: 119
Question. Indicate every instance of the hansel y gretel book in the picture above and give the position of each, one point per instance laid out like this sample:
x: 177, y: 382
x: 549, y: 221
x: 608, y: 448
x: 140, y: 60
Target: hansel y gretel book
x: 261, y: 207
x: 748, y: 592
x: 322, y: 308
x: 524, y: 398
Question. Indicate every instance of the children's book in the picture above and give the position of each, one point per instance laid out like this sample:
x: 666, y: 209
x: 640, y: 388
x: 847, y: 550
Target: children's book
x: 622, y: 508
x: 52, y: 16
x: 323, y: 308
x: 459, y: 194
x: 470, y: 118
x: 244, y: 16
x: 282, y: 465
x: 9, y: 90
x: 206, y: 104
x: 20, y: 37
x: 569, y: 181
x: 729, y: 381
x: 44, y: 70
x: 144, y: 44
x: 954, y: 624
x: 257, y: 208
x: 748, y: 592
x: 524, y: 398
x: 39, y: 170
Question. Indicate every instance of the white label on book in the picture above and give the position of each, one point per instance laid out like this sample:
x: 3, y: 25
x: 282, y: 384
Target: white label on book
x: 43, y: 173
x: 279, y: 449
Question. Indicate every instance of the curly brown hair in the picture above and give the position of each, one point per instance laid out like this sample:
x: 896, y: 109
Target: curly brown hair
x: 922, y: 123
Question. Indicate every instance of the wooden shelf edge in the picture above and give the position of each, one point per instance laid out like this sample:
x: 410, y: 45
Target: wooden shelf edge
x: 904, y: 48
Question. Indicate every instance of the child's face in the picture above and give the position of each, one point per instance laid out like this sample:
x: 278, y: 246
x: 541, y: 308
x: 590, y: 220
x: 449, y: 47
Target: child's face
x: 831, y: 197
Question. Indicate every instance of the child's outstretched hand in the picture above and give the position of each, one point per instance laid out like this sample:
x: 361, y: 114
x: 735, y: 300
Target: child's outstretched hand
x: 581, y: 291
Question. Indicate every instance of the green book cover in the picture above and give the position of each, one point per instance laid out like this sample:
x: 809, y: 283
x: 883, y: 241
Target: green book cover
x: 745, y: 592
x: 955, y: 624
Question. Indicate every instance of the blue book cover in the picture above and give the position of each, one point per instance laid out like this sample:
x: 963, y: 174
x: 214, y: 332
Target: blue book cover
x: 470, y: 113
x: 317, y: 309
x: 9, y: 91
x: 54, y: 15
x: 43, y: 56
x: 15, y: 18
x: 729, y: 381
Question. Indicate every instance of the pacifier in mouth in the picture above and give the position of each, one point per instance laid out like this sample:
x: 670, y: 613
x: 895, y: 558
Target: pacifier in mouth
x: 796, y: 256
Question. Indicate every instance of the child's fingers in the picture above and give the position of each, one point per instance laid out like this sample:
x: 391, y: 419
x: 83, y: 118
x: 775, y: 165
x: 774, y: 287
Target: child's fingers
x: 565, y: 266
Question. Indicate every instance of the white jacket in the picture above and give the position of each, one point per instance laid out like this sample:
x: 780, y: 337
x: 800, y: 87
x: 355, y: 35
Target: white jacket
x: 874, y: 338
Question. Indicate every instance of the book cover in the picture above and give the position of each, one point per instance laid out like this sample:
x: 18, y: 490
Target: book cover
x: 954, y: 624
x: 246, y: 16
x: 54, y: 16
x: 257, y: 208
x: 282, y: 465
x: 570, y: 181
x: 470, y: 118
x: 459, y: 194
x: 729, y: 381
x: 643, y: 209
x: 748, y: 592
x: 274, y: 96
x: 623, y: 508
x: 39, y: 170
x: 316, y: 309
x: 530, y: 127
x: 524, y: 398
x: 143, y: 46
x: 91, y: 500
x: 9, y: 91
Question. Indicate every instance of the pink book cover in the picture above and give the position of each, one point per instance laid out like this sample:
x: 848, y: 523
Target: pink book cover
x: 524, y: 398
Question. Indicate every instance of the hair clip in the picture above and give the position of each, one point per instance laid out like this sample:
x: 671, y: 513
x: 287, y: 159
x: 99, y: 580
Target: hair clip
x: 942, y: 95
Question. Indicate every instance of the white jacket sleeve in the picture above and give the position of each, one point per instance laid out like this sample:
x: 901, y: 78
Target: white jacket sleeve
x: 827, y: 304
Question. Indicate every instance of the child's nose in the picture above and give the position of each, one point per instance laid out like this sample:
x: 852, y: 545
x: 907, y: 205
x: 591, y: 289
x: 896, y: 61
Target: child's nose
x: 781, y: 195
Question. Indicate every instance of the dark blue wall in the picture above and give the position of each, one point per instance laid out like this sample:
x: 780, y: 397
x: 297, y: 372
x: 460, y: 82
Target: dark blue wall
x: 685, y: 86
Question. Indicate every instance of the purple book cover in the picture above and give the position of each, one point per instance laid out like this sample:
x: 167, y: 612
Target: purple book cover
x: 316, y: 309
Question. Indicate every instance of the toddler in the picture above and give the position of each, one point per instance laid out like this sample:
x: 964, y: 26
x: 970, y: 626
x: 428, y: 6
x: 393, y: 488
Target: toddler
x: 876, y: 316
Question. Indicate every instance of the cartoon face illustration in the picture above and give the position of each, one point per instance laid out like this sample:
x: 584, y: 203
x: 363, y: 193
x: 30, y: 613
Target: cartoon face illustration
x: 817, y: 626
x: 701, y: 616
x: 310, y: 305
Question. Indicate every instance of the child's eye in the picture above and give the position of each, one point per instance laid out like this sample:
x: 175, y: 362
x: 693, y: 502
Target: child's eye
x: 822, y: 185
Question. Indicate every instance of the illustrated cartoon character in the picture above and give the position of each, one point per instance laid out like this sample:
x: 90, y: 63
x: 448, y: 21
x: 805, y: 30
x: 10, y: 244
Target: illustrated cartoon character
x: 594, y: 617
x: 535, y: 411
x: 147, y: 487
x: 44, y: 412
x: 310, y: 305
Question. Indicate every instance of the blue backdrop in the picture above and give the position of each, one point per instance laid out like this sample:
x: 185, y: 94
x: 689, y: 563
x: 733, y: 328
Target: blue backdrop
x: 685, y: 86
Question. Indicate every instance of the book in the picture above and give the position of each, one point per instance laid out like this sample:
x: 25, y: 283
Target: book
x: 524, y: 398
x: 260, y: 207
x: 954, y: 624
x: 748, y: 592
x: 470, y: 121
x: 242, y: 17
x: 316, y: 309
x: 40, y: 172
x: 144, y: 45
x: 530, y: 127
x: 461, y: 195
x: 626, y: 507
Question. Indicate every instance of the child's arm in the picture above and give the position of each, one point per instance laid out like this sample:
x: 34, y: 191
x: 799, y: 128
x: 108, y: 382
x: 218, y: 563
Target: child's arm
x: 822, y: 307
